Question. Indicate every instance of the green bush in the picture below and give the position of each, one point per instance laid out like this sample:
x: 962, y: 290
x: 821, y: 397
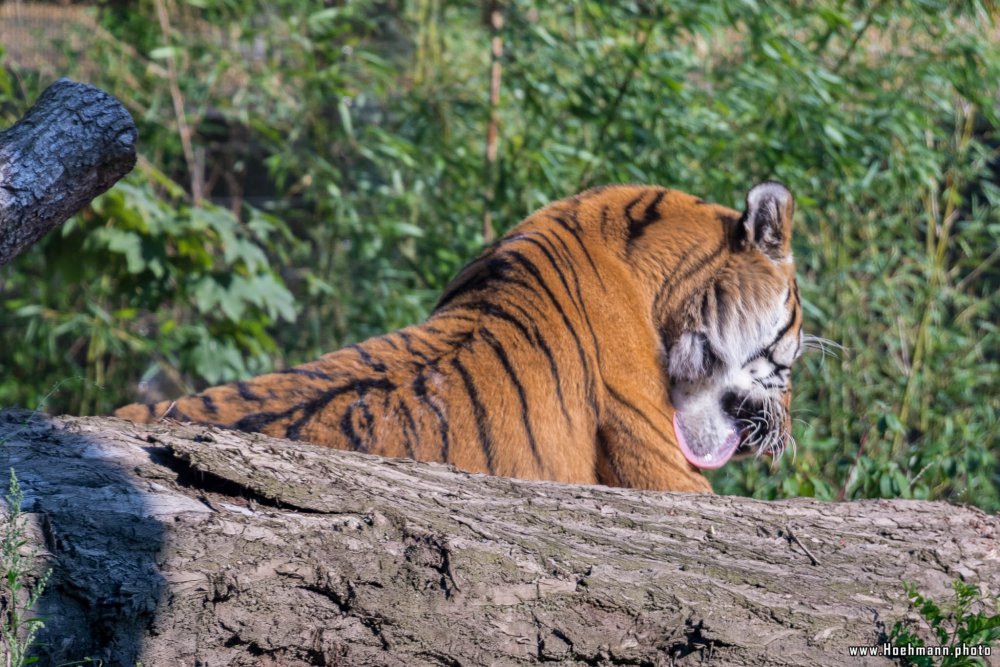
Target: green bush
x: 368, y: 121
x: 970, y: 622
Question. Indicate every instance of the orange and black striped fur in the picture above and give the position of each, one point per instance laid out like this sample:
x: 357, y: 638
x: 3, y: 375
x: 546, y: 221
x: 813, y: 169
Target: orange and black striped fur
x: 626, y: 336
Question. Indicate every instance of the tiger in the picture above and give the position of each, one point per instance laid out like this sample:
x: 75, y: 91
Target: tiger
x: 630, y: 336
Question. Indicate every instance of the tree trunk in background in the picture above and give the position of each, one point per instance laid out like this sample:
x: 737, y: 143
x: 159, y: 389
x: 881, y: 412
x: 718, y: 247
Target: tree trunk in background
x: 75, y: 143
x: 189, y: 545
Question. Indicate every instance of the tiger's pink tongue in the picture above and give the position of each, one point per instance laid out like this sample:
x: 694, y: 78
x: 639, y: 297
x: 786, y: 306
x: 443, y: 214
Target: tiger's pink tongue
x: 714, y: 458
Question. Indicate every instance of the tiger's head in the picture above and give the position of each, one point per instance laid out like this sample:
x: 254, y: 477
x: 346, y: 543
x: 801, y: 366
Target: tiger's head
x: 727, y: 312
x: 729, y: 358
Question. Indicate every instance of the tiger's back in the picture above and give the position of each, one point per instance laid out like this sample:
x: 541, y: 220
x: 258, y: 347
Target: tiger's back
x: 555, y: 354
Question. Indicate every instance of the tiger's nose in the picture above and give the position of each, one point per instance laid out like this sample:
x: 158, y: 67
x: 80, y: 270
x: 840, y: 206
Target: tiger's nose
x: 739, y: 407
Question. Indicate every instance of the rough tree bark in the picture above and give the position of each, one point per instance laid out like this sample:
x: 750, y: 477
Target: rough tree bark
x: 72, y: 145
x: 189, y: 545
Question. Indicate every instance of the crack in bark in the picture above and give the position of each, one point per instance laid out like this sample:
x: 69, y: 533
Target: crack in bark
x: 191, y: 476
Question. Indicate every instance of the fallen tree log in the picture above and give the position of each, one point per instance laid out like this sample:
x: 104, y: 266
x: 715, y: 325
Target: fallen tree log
x: 72, y: 145
x: 190, y: 545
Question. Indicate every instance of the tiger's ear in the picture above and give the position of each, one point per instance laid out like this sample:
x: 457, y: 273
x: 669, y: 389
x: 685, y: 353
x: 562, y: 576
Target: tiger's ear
x: 767, y: 221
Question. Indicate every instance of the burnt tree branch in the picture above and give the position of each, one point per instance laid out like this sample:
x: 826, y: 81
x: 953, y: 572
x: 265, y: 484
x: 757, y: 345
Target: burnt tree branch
x: 186, y: 545
x: 72, y: 145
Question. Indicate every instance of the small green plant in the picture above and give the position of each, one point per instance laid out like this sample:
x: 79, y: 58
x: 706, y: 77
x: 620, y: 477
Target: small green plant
x: 971, y: 621
x: 18, y: 627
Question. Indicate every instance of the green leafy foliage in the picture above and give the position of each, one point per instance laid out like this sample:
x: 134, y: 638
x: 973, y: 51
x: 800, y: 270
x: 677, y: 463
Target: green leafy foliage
x: 139, y: 283
x: 970, y: 620
x: 344, y: 148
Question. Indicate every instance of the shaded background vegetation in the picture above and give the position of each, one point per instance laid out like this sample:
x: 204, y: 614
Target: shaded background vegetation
x: 313, y: 173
